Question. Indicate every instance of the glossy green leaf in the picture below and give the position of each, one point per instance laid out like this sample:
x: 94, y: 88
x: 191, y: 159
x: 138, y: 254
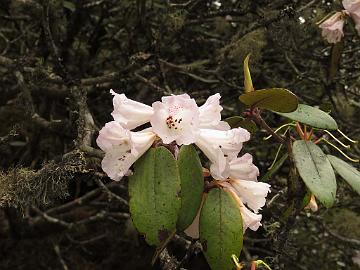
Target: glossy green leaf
x: 221, y: 232
x: 274, y: 168
x: 192, y: 185
x: 154, y: 191
x: 347, y: 172
x: 316, y: 171
x: 312, y: 117
x: 275, y: 99
x: 238, y: 121
x: 247, y: 76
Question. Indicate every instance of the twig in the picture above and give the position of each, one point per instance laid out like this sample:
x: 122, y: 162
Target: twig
x: 110, y: 194
x: 58, y: 253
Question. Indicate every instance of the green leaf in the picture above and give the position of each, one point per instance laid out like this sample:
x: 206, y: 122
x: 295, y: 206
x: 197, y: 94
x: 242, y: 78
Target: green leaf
x: 238, y: 121
x: 312, y: 117
x: 247, y: 76
x: 69, y: 5
x: 274, y: 168
x: 221, y: 232
x: 154, y: 191
x: 192, y: 185
x: 316, y: 171
x: 346, y: 171
x: 274, y: 99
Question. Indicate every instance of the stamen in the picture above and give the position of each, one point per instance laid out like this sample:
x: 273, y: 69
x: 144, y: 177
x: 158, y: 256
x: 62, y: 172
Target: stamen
x: 276, y: 156
x: 341, y: 152
x: 346, y: 137
x: 236, y: 262
x: 336, y: 139
x: 278, y: 129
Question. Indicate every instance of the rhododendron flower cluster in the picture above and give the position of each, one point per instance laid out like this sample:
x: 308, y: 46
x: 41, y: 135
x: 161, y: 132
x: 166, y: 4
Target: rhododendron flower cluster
x: 332, y: 28
x: 179, y: 119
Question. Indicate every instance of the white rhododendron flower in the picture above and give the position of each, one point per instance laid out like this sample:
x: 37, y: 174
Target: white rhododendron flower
x: 122, y: 148
x: 176, y: 118
x: 353, y: 8
x: 332, y: 28
x: 129, y: 113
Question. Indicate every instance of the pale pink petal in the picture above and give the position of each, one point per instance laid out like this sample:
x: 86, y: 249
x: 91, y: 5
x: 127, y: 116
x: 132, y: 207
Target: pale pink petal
x: 193, y: 229
x: 356, y: 18
x: 113, y: 134
x: 252, y: 193
x: 129, y: 113
x: 222, y: 125
x: 117, y: 162
x: 352, y: 6
x: 332, y: 28
x: 210, y: 115
x: 230, y: 141
x: 122, y: 148
x: 141, y: 142
x: 250, y: 219
x: 176, y: 118
x: 243, y: 168
x: 218, y: 145
x: 215, y: 155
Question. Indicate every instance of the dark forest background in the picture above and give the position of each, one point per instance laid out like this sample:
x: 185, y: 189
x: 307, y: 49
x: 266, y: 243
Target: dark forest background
x: 58, y: 60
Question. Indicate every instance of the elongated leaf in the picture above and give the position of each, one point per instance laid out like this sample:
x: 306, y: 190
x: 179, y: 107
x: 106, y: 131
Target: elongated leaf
x: 247, y: 76
x: 192, y: 185
x: 221, y: 232
x: 316, y: 171
x: 312, y: 116
x: 274, y: 99
x: 346, y: 171
x: 274, y: 168
x: 69, y: 5
x: 239, y: 121
x: 154, y: 191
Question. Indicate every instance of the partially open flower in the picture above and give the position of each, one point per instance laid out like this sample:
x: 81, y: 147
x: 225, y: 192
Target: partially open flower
x: 176, y: 118
x: 122, y: 148
x: 129, y: 113
x: 332, y: 28
x: 250, y: 219
x: 313, y: 206
x: 353, y: 7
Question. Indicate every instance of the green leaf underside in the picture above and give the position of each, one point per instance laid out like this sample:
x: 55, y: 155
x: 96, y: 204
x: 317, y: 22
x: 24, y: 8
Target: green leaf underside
x: 238, y: 121
x: 274, y: 168
x: 312, y: 117
x: 274, y: 99
x: 221, y: 232
x: 347, y: 172
x: 192, y: 185
x: 316, y: 171
x: 248, y: 85
x: 154, y: 191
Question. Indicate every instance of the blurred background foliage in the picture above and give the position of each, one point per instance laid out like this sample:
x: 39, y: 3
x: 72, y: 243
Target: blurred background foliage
x: 58, y: 60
